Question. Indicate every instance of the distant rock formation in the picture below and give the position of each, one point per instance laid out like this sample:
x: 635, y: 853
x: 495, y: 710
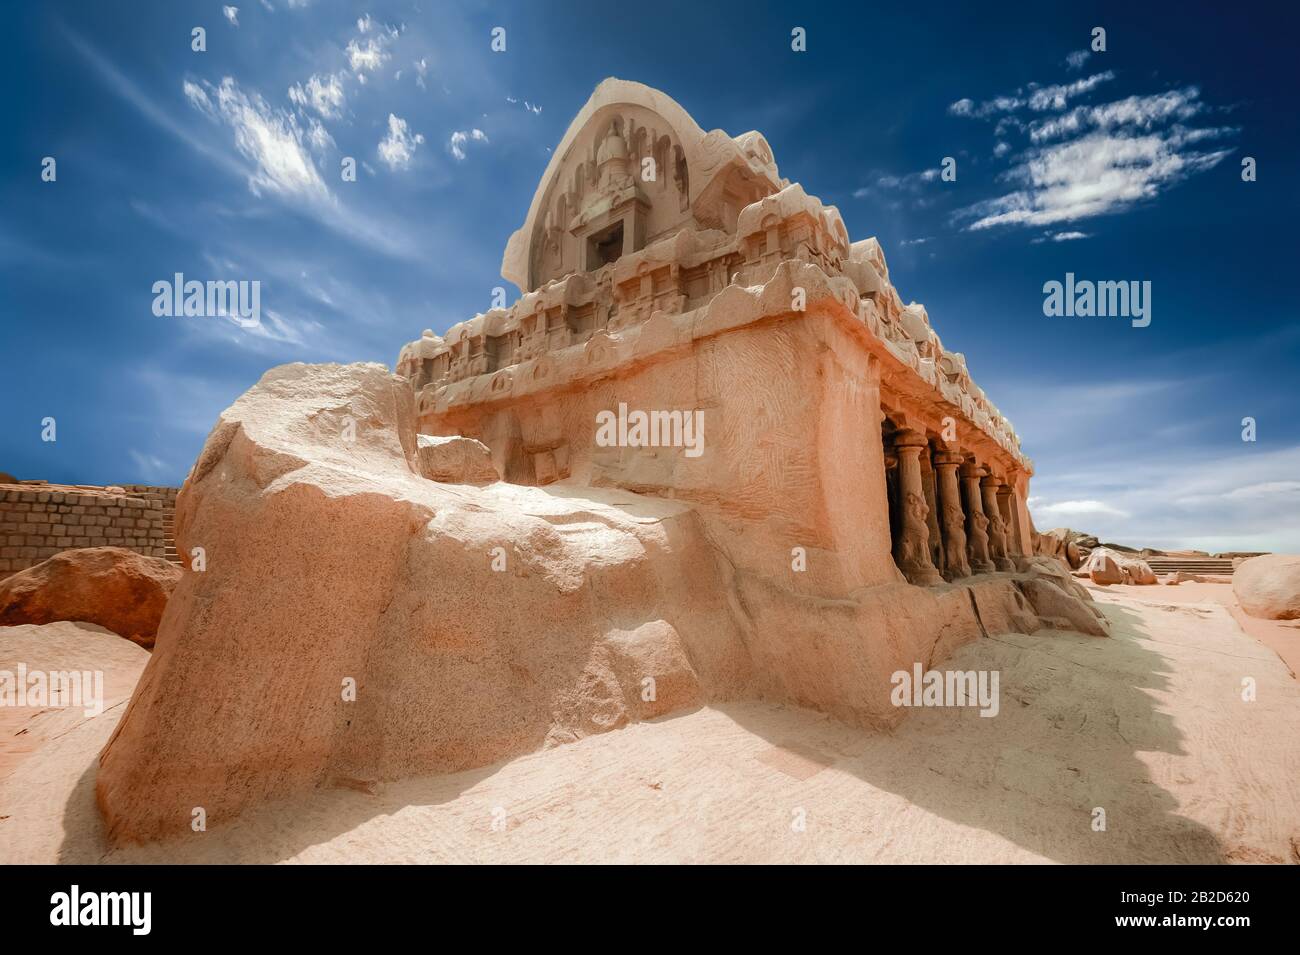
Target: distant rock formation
x: 1065, y: 544
x: 116, y: 588
x: 1107, y: 566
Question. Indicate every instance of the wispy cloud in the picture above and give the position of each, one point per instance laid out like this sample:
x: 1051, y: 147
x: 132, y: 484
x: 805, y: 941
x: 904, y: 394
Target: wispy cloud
x: 1091, y: 159
x: 324, y: 94
x: 461, y: 137
x: 1074, y: 61
x: 1034, y: 97
x: 231, y: 14
x: 398, y: 147
x: 268, y: 137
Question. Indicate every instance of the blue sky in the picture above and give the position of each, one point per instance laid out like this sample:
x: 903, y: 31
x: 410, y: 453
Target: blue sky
x: 225, y: 164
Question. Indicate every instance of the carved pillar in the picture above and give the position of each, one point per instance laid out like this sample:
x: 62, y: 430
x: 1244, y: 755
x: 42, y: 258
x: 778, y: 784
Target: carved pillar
x: 932, y: 518
x: 1011, y: 519
x: 912, y: 546
x: 954, y: 519
x: 997, y: 527
x: 977, y: 525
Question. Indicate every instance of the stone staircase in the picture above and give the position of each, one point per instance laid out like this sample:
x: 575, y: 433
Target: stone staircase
x: 169, y: 536
x: 1191, y: 565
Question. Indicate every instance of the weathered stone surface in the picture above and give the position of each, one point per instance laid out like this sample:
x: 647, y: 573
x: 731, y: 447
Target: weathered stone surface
x: 1138, y: 572
x: 455, y: 460
x: 1269, y: 586
x: 1054, y: 605
x: 1065, y: 544
x: 115, y: 588
x: 1102, y: 568
x: 1107, y: 566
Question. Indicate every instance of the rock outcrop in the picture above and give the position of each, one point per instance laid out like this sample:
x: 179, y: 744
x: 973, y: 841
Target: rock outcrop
x: 115, y: 588
x: 1269, y: 586
x: 1065, y: 544
x: 391, y: 625
x: 1107, y: 566
x: 455, y: 460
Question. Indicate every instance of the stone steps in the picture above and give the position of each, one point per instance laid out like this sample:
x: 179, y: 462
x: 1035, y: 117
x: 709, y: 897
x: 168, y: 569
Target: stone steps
x: 1191, y: 565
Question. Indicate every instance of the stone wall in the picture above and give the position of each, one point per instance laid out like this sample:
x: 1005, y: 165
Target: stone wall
x: 37, y: 520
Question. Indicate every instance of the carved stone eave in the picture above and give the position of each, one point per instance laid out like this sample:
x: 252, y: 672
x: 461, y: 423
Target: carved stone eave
x: 904, y: 381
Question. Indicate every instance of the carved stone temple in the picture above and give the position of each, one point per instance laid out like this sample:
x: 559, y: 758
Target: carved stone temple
x: 670, y: 268
x: 708, y: 451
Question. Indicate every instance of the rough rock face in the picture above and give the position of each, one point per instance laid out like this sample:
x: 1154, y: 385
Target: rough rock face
x: 390, y: 625
x: 1068, y: 545
x: 1269, y: 586
x: 115, y: 588
x: 1106, y: 566
x: 1102, y: 568
x: 455, y: 460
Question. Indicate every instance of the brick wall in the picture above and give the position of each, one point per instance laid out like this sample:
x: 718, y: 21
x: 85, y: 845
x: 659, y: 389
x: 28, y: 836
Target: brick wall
x: 37, y: 520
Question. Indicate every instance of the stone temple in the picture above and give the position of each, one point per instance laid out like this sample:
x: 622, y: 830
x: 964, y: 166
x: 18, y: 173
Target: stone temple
x: 670, y: 268
x: 455, y: 565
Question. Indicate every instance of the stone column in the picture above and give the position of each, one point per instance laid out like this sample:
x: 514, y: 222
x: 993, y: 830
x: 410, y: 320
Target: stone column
x: 912, y: 546
x: 954, y: 519
x: 997, y: 527
x: 977, y: 525
x: 932, y: 518
x: 1011, y: 518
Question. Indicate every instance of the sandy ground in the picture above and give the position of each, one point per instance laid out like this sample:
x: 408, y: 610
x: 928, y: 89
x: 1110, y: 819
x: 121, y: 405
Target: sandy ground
x: 1280, y: 636
x: 1148, y: 725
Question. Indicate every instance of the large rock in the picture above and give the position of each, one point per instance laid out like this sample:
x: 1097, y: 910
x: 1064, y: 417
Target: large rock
x: 1064, y: 544
x: 455, y: 460
x: 115, y: 588
x: 1269, y: 586
x: 1108, y: 566
x: 389, y: 625
x: 1103, y: 568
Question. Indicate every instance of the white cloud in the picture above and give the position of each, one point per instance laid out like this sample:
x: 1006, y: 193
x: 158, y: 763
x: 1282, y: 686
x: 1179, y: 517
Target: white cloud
x: 231, y: 14
x: 366, y: 56
x: 1093, y: 175
x: 459, y: 138
x: 368, y: 51
x: 270, y: 138
x: 421, y: 71
x: 1001, y: 149
x: 318, y: 136
x: 1057, y: 96
x: 1073, y: 509
x: 1137, y: 112
x: 1034, y: 97
x: 1069, y: 236
x: 324, y: 94
x: 1075, y: 60
x: 1270, y: 490
x: 398, y: 147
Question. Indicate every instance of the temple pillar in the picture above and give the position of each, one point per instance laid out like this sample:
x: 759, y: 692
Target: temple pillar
x: 954, y: 519
x: 997, y: 527
x: 912, y: 545
x: 1011, y: 518
x: 977, y: 525
x: 932, y: 517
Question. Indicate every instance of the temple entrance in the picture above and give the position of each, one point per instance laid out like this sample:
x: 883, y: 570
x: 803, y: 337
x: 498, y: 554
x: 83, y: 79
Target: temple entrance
x: 605, y: 246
